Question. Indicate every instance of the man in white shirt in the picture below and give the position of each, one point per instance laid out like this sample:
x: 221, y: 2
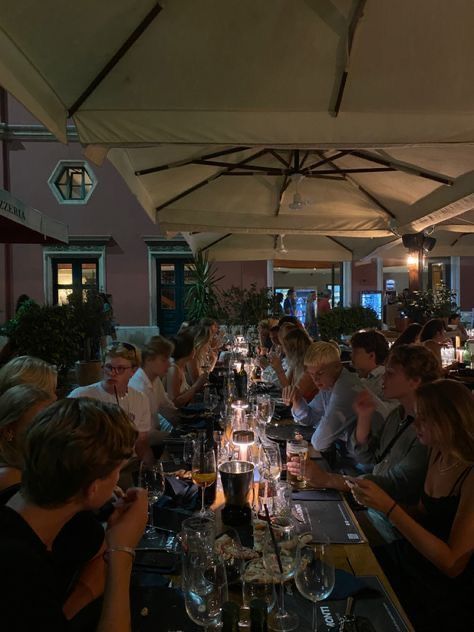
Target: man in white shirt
x: 147, y: 379
x: 120, y: 363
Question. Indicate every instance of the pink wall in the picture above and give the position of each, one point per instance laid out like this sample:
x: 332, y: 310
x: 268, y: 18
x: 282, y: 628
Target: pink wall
x: 242, y: 273
x: 364, y: 278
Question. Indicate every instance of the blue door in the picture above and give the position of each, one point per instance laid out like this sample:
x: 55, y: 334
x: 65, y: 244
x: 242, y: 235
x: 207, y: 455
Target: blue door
x: 172, y: 278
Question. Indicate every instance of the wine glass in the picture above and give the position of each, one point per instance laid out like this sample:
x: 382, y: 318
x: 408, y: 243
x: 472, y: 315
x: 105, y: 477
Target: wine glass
x: 152, y: 478
x: 205, y: 590
x: 281, y: 567
x: 315, y: 575
x: 203, y: 470
x: 265, y: 408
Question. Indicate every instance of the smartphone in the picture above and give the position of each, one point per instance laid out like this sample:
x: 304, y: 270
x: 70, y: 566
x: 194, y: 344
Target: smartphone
x: 156, y: 560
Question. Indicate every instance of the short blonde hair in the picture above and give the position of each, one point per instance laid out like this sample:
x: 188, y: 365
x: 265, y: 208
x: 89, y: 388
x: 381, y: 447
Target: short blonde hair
x: 157, y: 346
x: 124, y: 350
x: 14, y: 404
x: 322, y: 353
x: 28, y: 370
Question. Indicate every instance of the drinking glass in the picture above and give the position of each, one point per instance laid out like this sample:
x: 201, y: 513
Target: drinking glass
x: 204, y: 470
x: 205, y: 590
x: 257, y: 583
x: 151, y: 478
x: 188, y: 451
x: 314, y: 576
x: 270, y: 458
x: 265, y: 408
x: 285, y: 540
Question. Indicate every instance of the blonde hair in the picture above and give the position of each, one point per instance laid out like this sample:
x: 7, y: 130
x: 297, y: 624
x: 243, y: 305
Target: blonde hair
x: 124, y: 350
x: 295, y: 345
x: 267, y: 323
x: 322, y: 353
x: 448, y: 408
x: 157, y: 346
x: 14, y: 404
x: 28, y: 370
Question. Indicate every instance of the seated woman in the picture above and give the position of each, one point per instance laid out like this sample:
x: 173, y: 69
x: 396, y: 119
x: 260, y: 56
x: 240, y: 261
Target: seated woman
x: 18, y: 406
x: 178, y: 389
x: 295, y: 344
x: 29, y: 370
x: 411, y: 335
x: 433, y: 336
x: 458, y: 329
x: 264, y: 339
x: 216, y: 339
x: 432, y: 570
x: 204, y: 358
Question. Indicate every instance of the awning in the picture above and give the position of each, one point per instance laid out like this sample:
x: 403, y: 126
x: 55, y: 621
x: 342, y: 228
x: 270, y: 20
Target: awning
x: 257, y: 72
x: 20, y: 224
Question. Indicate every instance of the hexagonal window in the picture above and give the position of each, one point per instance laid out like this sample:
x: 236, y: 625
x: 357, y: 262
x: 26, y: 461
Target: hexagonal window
x: 72, y: 182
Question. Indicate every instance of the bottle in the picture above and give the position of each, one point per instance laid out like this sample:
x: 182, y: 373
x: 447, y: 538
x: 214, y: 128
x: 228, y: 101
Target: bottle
x: 242, y: 382
x: 258, y: 616
x: 230, y: 617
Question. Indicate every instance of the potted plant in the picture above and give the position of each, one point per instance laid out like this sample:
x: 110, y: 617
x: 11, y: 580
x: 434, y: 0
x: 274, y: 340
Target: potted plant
x: 49, y: 332
x: 203, y: 296
x: 247, y: 306
x: 344, y: 321
x: 88, y: 310
x: 420, y: 306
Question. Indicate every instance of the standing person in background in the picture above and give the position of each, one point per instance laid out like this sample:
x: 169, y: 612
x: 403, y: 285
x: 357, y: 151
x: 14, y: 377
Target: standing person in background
x: 289, y: 304
x: 311, y: 319
x: 108, y: 326
x: 324, y: 304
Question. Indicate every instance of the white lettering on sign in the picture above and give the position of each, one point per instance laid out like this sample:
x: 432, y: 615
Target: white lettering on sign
x: 328, y: 618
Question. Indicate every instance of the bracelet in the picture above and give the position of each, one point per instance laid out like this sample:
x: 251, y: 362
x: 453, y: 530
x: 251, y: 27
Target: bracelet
x: 119, y: 549
x: 391, y: 509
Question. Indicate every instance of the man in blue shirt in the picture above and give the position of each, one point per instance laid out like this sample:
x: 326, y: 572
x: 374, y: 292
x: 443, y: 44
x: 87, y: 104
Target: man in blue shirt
x: 331, y: 410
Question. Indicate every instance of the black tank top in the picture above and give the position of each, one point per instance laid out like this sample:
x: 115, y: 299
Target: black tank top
x: 441, y: 512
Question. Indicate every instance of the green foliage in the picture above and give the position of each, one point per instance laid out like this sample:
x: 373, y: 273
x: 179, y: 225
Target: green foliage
x: 49, y: 332
x: 203, y: 296
x: 344, y: 321
x: 247, y: 306
x: 426, y: 304
x: 88, y: 308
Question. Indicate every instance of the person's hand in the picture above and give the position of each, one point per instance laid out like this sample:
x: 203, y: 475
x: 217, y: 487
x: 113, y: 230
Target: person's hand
x: 290, y: 394
x: 369, y: 494
x: 202, y: 379
x: 276, y: 364
x: 364, y: 404
x: 128, y: 521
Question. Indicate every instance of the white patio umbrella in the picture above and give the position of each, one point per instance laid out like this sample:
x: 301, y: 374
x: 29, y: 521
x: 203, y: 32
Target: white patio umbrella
x: 321, y: 73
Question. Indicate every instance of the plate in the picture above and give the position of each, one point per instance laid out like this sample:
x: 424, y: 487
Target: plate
x: 287, y: 432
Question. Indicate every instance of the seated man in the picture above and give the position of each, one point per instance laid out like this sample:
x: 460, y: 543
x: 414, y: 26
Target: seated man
x: 120, y: 363
x: 73, y: 453
x: 331, y: 411
x: 399, y: 460
x: 369, y: 352
x: 147, y: 379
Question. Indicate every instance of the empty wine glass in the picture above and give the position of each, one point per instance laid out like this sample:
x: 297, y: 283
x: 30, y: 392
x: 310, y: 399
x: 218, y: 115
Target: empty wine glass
x: 314, y: 575
x: 270, y: 458
x: 281, y: 566
x: 265, y: 408
x: 151, y: 478
x: 203, y: 469
x: 205, y: 590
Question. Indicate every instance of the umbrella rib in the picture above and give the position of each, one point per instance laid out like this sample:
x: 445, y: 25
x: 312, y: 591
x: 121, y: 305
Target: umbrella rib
x: 213, y: 243
x: 278, y: 157
x: 339, y: 243
x: 184, y: 163
x: 358, y: 186
x: 354, y: 23
x: 252, y: 168
x: 315, y: 165
x: 284, y: 186
x: 457, y: 238
x: 140, y: 29
x: 209, y: 180
x: 412, y: 169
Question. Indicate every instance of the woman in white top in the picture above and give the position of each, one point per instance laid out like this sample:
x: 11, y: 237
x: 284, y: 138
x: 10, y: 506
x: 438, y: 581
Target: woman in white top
x: 177, y: 387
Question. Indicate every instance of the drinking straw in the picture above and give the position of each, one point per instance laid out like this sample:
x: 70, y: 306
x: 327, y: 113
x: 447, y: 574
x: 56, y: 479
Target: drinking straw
x: 116, y: 396
x: 272, y: 535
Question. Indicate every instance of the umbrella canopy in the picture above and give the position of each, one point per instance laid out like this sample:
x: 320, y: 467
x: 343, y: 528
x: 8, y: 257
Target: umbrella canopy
x: 20, y: 224
x: 291, y: 72
x: 349, y: 201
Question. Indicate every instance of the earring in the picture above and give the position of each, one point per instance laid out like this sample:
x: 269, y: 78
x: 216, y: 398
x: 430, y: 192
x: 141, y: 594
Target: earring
x: 9, y: 436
